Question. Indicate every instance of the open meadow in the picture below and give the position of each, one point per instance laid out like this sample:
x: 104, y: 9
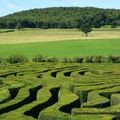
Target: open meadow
x: 60, y: 43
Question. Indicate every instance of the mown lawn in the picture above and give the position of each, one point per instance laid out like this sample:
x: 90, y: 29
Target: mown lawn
x: 70, y: 48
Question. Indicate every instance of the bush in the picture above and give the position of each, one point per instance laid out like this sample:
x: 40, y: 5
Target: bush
x: 16, y: 59
x: 103, y: 59
x: 39, y: 58
x: 78, y: 59
x: 18, y: 26
x: 99, y: 59
x: 114, y: 59
x: 67, y: 60
x: 88, y: 59
x: 1, y: 60
x: 54, y: 59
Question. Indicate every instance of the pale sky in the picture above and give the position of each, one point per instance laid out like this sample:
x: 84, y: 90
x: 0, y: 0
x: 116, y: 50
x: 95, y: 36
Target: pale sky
x: 11, y: 6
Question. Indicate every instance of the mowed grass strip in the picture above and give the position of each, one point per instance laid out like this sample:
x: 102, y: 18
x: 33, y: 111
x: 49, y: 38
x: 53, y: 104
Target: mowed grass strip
x: 72, y: 48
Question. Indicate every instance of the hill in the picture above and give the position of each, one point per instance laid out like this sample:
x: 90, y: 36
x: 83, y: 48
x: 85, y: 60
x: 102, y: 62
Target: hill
x: 61, y: 17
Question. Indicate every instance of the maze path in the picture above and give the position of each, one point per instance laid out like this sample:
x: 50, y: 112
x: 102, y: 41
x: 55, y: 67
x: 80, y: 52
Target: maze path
x: 55, y: 91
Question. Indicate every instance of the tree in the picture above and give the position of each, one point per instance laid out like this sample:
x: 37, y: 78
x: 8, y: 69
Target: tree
x: 61, y: 17
x: 114, y: 24
x: 18, y: 26
x: 86, y: 28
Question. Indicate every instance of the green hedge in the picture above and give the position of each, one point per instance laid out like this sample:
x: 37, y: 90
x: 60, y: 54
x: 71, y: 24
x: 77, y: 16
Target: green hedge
x: 39, y: 58
x: 115, y: 99
x: 54, y: 112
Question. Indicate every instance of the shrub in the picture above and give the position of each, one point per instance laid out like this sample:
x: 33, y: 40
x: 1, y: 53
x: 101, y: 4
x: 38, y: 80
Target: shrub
x: 67, y: 60
x: 1, y: 60
x: 53, y: 59
x: 78, y: 59
x: 39, y: 58
x: 1, y: 82
x: 18, y: 26
x: 114, y: 59
x: 115, y: 99
x: 16, y: 59
x: 88, y: 59
x: 103, y: 59
x: 99, y: 59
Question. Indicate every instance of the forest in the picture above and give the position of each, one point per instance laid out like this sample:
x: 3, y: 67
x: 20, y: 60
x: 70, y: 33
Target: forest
x: 62, y: 17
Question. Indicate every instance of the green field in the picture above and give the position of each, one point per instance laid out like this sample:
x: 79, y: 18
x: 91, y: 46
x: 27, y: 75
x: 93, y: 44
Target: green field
x: 58, y: 91
x: 59, y: 43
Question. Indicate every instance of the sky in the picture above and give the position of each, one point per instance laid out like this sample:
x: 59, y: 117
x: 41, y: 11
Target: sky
x: 11, y: 6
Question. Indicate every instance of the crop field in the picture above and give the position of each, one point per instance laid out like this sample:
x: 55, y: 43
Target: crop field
x: 60, y: 43
x: 60, y: 91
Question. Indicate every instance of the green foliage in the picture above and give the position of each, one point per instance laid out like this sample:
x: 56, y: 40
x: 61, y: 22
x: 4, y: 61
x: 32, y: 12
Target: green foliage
x: 1, y: 60
x: 67, y: 60
x: 39, y: 58
x: 65, y: 91
x: 16, y: 59
x: 18, y: 26
x: 86, y: 28
x: 114, y: 59
x: 61, y: 17
x: 78, y: 59
x: 113, y: 24
x: 6, y: 30
x: 115, y: 99
x: 88, y: 59
x: 99, y: 59
x: 53, y: 59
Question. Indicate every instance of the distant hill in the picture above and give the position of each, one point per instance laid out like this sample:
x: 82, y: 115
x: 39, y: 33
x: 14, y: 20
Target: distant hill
x: 61, y: 17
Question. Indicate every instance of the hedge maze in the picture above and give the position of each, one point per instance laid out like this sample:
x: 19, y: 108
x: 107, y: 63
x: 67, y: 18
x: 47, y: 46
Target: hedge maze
x: 60, y: 91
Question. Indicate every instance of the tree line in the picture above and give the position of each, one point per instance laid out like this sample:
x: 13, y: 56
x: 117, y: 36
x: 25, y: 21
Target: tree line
x: 61, y: 17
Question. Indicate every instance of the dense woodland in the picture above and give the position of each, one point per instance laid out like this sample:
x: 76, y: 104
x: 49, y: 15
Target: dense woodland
x: 62, y: 17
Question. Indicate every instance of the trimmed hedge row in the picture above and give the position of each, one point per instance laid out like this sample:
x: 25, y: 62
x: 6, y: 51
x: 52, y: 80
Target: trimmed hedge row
x: 22, y: 94
x: 92, y: 89
x: 115, y: 99
x: 93, y: 117
x: 102, y: 96
x: 83, y: 92
x: 55, y: 112
x: 4, y: 95
x: 89, y: 59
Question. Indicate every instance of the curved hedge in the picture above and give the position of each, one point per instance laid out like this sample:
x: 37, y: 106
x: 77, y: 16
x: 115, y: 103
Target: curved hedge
x: 59, y: 91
